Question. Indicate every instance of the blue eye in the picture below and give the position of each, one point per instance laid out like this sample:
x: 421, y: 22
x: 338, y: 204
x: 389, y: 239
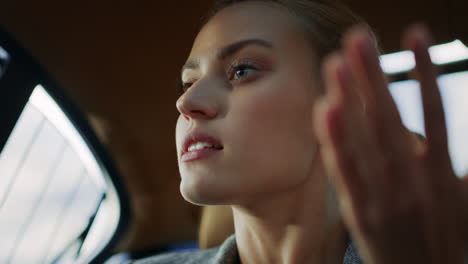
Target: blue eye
x: 241, y: 71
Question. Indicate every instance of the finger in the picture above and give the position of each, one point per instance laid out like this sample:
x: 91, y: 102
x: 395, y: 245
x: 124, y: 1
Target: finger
x: 334, y: 73
x: 338, y: 162
x: 347, y: 135
x: 418, y: 40
x: 341, y: 161
x: 438, y: 168
x: 381, y: 110
x: 362, y: 55
x: 384, y: 126
x: 350, y: 190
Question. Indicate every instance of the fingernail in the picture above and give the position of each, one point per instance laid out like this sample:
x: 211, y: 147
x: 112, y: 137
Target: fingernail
x: 422, y: 36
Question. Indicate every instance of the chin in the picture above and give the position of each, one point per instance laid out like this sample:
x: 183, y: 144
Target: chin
x: 203, y: 194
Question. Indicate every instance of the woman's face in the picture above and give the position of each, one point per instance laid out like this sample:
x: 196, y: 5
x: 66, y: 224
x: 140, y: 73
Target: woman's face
x: 250, y: 90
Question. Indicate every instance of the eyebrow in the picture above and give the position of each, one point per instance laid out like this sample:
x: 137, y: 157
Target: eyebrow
x: 228, y: 51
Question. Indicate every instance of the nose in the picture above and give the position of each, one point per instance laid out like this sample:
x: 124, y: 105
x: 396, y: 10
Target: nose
x: 200, y: 101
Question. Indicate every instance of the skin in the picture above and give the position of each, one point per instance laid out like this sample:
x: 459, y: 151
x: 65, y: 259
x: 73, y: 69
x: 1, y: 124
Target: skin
x: 260, y: 119
x: 264, y: 119
x: 401, y: 201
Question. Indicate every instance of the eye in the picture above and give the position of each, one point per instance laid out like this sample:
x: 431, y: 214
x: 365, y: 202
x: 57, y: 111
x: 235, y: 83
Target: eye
x: 183, y: 87
x: 241, y: 71
x: 186, y: 86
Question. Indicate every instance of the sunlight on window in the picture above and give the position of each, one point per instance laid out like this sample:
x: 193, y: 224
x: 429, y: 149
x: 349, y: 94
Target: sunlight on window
x: 454, y: 92
x: 51, y: 187
x: 441, y: 54
x: 44, y: 103
x: 4, y: 58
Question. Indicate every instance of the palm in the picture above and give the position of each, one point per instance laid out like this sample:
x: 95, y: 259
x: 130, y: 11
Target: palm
x: 399, y: 197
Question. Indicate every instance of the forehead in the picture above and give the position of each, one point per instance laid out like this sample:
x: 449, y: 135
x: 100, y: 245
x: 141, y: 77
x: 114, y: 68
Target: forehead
x: 248, y: 20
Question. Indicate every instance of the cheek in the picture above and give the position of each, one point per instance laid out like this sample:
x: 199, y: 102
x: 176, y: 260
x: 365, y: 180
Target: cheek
x: 274, y: 126
x: 279, y: 107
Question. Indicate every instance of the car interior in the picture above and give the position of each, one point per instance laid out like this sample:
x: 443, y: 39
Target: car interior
x: 88, y: 169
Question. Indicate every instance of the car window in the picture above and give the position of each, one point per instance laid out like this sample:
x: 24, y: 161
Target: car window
x: 454, y: 92
x: 58, y: 203
x: 452, y: 59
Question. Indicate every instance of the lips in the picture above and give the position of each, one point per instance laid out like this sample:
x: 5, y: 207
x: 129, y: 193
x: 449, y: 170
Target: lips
x: 195, y: 137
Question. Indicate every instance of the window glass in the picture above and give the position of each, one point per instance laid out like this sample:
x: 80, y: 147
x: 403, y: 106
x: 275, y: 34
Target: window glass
x: 4, y: 58
x: 51, y: 188
x: 454, y: 92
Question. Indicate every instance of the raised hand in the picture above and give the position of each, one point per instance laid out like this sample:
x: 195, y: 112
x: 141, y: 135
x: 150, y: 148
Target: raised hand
x: 399, y: 195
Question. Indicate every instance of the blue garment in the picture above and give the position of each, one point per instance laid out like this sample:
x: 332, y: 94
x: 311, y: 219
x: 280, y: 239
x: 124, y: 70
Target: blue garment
x: 224, y: 254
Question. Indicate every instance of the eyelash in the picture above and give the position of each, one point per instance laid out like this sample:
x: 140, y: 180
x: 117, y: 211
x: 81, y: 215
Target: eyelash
x: 183, y: 87
x: 233, y: 68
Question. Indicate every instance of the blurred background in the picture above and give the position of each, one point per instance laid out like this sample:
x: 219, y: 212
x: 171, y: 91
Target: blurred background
x: 118, y: 61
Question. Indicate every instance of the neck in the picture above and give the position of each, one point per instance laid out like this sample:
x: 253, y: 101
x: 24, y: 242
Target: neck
x: 297, y: 226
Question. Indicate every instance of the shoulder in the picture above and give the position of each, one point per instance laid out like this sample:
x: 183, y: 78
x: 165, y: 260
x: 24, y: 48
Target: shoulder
x: 226, y: 253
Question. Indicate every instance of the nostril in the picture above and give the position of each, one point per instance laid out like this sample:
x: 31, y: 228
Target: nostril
x: 198, y: 114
